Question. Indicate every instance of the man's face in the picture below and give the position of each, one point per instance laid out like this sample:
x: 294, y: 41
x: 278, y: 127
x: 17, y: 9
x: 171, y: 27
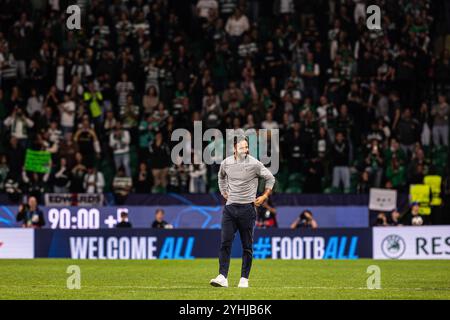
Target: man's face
x: 323, y: 100
x: 159, y: 216
x: 407, y: 114
x: 32, y: 202
x: 365, y: 176
x: 242, y: 149
x: 394, y: 145
x: 395, y: 215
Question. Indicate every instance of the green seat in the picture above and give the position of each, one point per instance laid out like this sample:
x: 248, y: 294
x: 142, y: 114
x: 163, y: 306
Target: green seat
x: 427, y: 151
x: 280, y: 186
x: 295, y: 183
x: 213, y: 184
x: 328, y: 190
x: 294, y: 189
x: 439, y: 155
x: 213, y: 188
x: 335, y: 190
x: 295, y: 178
x: 283, y: 174
x: 325, y: 182
x: 159, y: 189
x: 105, y: 167
x: 354, y: 179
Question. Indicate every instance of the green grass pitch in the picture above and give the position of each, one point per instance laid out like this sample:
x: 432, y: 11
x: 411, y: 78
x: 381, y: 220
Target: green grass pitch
x: 189, y: 279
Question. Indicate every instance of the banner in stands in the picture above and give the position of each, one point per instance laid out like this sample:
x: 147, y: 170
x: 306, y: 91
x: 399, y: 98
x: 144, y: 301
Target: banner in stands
x: 420, y: 242
x: 73, y: 199
x: 382, y: 199
x: 16, y: 243
x: 183, y: 216
x: 37, y: 161
x: 190, y: 244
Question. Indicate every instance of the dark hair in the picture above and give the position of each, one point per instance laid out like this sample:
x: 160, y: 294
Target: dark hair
x: 238, y: 139
x: 302, y: 215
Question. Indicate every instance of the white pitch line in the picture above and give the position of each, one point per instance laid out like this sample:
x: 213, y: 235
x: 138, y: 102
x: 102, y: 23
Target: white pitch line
x: 207, y: 287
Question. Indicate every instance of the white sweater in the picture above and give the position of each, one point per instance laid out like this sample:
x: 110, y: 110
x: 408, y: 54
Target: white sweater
x: 237, y: 27
x: 120, y: 145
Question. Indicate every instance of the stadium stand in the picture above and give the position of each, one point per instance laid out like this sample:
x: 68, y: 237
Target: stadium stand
x: 355, y: 108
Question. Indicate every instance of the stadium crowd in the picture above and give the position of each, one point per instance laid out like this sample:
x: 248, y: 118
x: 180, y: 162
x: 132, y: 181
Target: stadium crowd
x: 355, y: 108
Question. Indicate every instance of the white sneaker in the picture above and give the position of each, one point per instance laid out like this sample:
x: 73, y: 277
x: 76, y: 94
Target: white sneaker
x: 243, y: 283
x: 219, y: 281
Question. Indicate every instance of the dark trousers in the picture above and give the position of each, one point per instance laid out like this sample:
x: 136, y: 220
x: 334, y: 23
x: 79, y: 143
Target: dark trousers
x: 237, y: 217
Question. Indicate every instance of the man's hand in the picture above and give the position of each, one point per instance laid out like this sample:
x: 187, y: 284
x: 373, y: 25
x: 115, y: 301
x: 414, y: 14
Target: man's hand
x: 260, y: 200
x: 225, y: 195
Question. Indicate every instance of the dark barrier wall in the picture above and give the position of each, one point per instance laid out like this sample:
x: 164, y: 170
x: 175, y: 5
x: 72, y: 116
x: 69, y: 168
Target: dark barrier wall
x: 204, y: 211
x: 187, y: 216
x: 279, y: 199
x: 190, y: 244
x: 213, y: 199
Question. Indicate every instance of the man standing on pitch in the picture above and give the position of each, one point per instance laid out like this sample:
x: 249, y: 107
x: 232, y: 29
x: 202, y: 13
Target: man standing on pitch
x: 238, y: 183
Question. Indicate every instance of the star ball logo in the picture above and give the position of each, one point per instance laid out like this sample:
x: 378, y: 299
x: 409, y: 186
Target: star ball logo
x: 393, y: 246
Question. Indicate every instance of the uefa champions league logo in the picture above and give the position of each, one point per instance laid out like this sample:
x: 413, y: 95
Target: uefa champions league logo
x: 393, y: 246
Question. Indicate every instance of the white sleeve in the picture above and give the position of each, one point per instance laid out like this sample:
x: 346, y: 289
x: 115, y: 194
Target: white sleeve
x: 126, y: 137
x: 222, y: 179
x: 112, y: 140
x: 268, y: 177
x: 88, y: 70
x: 8, y: 121
x: 100, y: 181
x: 316, y: 69
x: 29, y: 122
